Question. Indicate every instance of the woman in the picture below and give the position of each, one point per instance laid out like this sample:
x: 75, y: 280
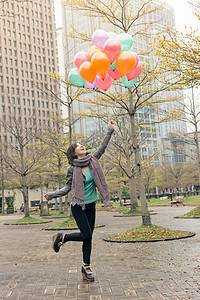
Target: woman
x: 84, y: 175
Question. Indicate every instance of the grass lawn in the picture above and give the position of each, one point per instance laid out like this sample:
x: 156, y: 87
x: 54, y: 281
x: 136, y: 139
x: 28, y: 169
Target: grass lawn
x: 68, y: 223
x: 28, y: 220
x: 56, y: 214
x: 192, y: 200
x: 130, y: 213
x: 194, y: 213
x: 144, y: 233
x: 116, y: 207
x: 53, y: 213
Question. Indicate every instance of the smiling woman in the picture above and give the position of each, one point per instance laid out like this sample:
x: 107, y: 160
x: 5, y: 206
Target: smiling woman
x: 84, y: 176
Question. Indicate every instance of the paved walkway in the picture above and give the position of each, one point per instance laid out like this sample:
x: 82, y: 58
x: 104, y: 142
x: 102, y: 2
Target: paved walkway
x: 29, y: 269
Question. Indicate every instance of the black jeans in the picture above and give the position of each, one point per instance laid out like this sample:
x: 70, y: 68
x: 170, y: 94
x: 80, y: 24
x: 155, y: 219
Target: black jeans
x: 85, y: 220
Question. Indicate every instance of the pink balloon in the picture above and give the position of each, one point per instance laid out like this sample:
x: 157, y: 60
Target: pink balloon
x: 91, y: 85
x: 112, y: 48
x: 104, y: 83
x: 114, y: 74
x: 135, y: 72
x: 80, y: 58
x: 137, y: 59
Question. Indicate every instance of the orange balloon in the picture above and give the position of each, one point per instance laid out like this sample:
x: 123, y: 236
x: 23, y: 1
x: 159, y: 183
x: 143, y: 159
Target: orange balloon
x: 87, y: 72
x: 92, y: 50
x: 125, y: 62
x: 100, y: 62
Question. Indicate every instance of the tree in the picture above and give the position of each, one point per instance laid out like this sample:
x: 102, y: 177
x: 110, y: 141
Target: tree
x: 180, y: 55
x: 175, y: 176
x: 189, y: 141
x: 2, y: 180
x: 180, y: 51
x: 25, y: 158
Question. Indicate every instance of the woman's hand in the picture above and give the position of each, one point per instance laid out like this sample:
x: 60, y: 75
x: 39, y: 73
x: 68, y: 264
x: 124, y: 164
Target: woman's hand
x: 111, y: 124
x: 46, y: 196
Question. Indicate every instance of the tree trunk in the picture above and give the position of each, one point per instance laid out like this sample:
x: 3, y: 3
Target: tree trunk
x: 24, y: 184
x: 119, y: 187
x: 2, y: 187
x: 66, y: 203
x: 146, y: 219
x: 54, y: 188
x: 41, y: 191
x: 131, y: 179
x: 196, y: 137
x: 59, y: 182
x: 25, y: 196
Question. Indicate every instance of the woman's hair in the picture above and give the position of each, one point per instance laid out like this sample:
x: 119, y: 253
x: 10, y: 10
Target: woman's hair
x: 71, y: 153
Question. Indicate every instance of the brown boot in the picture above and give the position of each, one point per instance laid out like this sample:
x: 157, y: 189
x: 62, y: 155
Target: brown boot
x: 87, y: 273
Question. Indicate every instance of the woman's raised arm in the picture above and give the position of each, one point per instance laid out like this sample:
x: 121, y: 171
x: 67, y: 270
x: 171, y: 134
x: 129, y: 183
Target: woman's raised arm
x: 100, y: 151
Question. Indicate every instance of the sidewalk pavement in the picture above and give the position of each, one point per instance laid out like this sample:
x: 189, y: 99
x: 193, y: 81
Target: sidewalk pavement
x: 30, y: 269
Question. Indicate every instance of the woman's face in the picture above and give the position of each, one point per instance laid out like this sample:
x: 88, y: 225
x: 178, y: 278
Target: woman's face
x: 80, y: 150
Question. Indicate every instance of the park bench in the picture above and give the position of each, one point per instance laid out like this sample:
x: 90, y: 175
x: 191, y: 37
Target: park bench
x: 164, y: 198
x: 178, y: 200
x: 111, y: 204
x: 127, y: 203
x: 33, y: 209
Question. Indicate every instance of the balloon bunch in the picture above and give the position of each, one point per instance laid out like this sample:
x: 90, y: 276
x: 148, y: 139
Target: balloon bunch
x: 110, y: 57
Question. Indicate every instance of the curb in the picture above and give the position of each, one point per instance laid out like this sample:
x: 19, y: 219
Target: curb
x: 28, y: 223
x: 132, y: 216
x: 191, y: 234
x: 186, y: 217
x: 75, y: 228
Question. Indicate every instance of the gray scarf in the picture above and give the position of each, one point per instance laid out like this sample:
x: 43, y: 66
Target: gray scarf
x: 78, y: 190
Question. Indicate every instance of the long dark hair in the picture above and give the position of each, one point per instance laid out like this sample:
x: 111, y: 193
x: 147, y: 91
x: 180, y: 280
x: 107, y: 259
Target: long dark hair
x: 71, y: 153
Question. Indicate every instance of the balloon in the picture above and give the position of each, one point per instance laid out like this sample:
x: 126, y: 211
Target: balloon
x: 87, y: 72
x: 100, y: 63
x: 75, y: 77
x: 99, y: 37
x: 136, y: 57
x: 92, y: 50
x: 125, y: 62
x: 104, y: 83
x: 135, y: 72
x: 111, y: 35
x: 114, y: 74
x: 80, y: 58
x: 113, y: 66
x: 91, y: 85
x: 112, y: 48
x: 125, y: 40
x: 128, y: 83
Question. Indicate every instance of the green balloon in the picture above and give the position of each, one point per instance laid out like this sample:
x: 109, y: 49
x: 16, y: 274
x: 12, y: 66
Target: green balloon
x: 128, y: 83
x: 125, y: 40
x: 75, y: 77
x: 113, y: 66
x: 111, y: 35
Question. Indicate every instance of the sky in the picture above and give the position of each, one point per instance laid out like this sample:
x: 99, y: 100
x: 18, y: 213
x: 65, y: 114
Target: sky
x: 183, y: 14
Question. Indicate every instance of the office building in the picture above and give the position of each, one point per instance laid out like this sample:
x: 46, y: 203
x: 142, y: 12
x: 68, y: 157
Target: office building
x: 28, y: 56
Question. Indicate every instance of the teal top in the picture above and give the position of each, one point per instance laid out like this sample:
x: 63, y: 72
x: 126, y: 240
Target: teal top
x: 90, y: 188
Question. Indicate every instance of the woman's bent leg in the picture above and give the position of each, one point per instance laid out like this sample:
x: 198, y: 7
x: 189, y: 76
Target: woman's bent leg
x: 82, y: 223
